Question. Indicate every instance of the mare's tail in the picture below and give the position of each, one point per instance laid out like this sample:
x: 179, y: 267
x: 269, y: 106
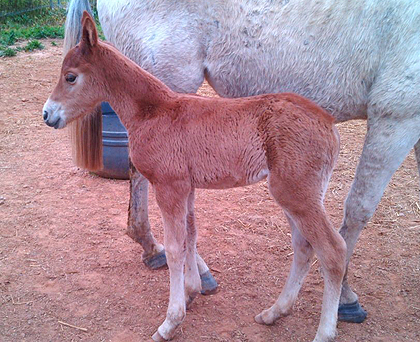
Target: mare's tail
x: 85, y: 133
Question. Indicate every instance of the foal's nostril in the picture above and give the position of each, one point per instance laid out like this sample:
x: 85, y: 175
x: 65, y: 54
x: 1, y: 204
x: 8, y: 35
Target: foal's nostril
x: 45, y: 116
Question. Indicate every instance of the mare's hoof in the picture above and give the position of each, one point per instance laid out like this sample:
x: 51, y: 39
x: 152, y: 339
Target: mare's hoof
x: 157, y: 337
x: 208, y: 283
x: 352, y: 313
x: 156, y: 260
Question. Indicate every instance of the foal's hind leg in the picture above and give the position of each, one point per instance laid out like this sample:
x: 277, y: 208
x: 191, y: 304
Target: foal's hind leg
x: 302, y: 201
x: 417, y: 152
x: 302, y: 256
x: 387, y: 143
x: 331, y: 256
x: 138, y: 227
x: 208, y: 283
x: 330, y: 249
x: 192, y: 277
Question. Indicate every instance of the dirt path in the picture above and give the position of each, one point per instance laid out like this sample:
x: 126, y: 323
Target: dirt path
x: 64, y: 255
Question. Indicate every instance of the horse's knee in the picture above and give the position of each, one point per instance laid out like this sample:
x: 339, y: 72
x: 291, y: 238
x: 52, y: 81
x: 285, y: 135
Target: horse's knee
x: 357, y: 210
x: 301, y: 246
x: 175, y: 254
x: 357, y: 214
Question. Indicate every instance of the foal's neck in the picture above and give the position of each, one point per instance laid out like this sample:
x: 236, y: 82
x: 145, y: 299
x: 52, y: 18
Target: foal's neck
x: 132, y: 92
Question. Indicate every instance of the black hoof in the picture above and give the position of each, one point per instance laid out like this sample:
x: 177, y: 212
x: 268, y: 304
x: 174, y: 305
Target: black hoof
x: 155, y: 261
x: 208, y: 284
x: 351, y: 313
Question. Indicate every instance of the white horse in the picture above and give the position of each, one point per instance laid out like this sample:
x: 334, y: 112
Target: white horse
x: 358, y: 59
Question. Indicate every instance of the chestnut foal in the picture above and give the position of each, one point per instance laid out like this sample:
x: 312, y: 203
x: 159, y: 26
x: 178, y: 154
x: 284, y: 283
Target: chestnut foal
x: 181, y: 142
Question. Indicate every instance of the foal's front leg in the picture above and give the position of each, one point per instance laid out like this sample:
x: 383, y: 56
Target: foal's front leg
x: 173, y: 203
x: 138, y: 229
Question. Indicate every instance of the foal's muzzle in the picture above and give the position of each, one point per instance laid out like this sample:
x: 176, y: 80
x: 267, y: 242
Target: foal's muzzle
x: 53, y: 115
x: 55, y: 123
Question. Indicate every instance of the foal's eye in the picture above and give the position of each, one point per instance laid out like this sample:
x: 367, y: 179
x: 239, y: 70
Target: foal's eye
x: 70, y: 78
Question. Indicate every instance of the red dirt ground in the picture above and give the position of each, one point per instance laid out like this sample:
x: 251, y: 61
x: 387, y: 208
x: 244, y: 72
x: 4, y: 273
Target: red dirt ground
x: 64, y: 255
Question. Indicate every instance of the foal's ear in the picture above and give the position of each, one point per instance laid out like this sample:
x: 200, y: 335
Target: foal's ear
x: 89, y: 34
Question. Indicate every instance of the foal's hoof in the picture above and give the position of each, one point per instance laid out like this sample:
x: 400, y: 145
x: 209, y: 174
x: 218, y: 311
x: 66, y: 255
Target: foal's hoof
x: 157, y: 337
x: 190, y: 299
x: 265, y: 318
x: 352, y: 313
x: 155, y: 261
x: 259, y: 319
x: 208, y: 283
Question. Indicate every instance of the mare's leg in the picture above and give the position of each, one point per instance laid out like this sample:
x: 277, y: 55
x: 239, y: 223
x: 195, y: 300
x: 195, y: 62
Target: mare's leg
x: 173, y: 203
x: 138, y: 227
x: 302, y: 257
x: 192, y: 277
x: 388, y: 141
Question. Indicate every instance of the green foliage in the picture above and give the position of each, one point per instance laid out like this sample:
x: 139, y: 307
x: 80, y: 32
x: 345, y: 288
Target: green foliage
x: 45, y: 23
x: 39, y: 32
x: 8, y: 52
x: 30, y: 26
x: 42, y: 17
x: 10, y: 37
x: 33, y: 45
x: 34, y: 25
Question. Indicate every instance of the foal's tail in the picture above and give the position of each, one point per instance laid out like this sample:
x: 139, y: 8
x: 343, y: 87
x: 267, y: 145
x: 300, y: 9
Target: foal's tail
x: 85, y: 133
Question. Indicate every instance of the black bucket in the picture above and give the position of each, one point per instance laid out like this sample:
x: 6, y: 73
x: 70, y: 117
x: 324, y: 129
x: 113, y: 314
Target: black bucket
x: 114, y: 144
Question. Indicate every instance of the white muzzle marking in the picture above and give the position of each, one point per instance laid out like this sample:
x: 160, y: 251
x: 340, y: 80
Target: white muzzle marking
x: 53, y: 114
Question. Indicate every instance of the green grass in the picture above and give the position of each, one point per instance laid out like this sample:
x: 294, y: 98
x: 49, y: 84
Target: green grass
x: 30, y: 27
x: 33, y: 45
x: 10, y: 37
x: 43, y: 17
x: 7, y: 52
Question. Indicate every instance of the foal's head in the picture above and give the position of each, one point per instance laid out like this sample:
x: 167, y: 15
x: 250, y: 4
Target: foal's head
x: 77, y: 92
